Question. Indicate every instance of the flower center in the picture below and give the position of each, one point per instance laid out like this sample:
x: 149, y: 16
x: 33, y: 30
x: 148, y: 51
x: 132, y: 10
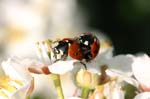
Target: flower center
x: 8, y: 86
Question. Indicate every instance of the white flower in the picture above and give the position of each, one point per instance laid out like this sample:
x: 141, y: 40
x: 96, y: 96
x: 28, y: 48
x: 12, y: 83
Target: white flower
x: 139, y: 66
x: 73, y: 98
x: 122, y: 76
x: 113, y: 90
x: 17, y: 83
x: 144, y: 95
x: 119, y: 66
x: 110, y: 90
x: 141, y: 69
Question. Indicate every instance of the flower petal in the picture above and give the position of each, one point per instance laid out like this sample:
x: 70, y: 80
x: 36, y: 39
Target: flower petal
x: 61, y: 67
x: 144, y: 95
x: 121, y: 62
x: 42, y: 50
x: 122, y: 76
x: 24, y: 91
x: 16, y: 68
x: 117, y: 93
x: 140, y: 68
x: 20, y: 78
x: 74, y: 98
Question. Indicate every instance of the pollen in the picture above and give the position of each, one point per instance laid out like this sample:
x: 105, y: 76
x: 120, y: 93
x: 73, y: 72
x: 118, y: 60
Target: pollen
x: 3, y: 94
x: 9, y: 86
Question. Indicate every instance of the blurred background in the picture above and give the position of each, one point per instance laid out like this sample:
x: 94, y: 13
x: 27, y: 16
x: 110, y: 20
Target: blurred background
x: 24, y: 22
x: 126, y: 22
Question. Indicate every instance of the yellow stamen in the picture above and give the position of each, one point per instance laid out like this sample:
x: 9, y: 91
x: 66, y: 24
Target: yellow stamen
x: 18, y: 82
x: 9, y: 86
x: 3, y: 94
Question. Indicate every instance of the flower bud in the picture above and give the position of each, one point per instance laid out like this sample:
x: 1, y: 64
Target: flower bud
x: 87, y: 79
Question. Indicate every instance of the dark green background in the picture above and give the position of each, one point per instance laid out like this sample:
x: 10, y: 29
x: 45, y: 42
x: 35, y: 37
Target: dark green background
x: 127, y: 22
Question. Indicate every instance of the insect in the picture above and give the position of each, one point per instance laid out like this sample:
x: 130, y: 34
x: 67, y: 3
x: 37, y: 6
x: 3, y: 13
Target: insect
x: 90, y: 46
x: 85, y: 47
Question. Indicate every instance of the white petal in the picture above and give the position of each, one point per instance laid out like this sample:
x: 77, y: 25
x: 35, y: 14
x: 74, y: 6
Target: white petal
x: 144, y: 95
x: 118, y: 94
x: 62, y: 67
x: 44, y: 53
x: 1, y: 97
x: 17, y: 69
x: 10, y: 71
x: 140, y: 68
x: 121, y: 62
x: 23, y: 91
x: 73, y: 98
x: 122, y: 76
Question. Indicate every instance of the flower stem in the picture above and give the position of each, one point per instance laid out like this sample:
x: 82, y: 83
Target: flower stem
x: 28, y: 97
x: 85, y: 93
x: 57, y: 83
